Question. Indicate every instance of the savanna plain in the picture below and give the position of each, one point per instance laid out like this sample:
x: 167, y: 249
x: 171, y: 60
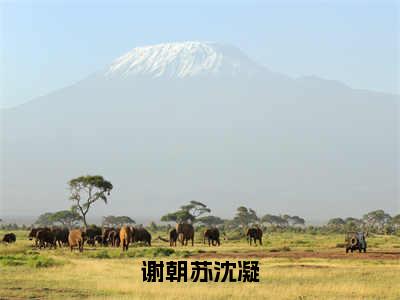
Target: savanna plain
x: 292, y: 266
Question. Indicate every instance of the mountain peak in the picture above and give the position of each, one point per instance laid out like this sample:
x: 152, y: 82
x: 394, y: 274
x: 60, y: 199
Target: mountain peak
x: 182, y: 60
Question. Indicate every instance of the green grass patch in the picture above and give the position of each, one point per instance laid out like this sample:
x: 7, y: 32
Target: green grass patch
x: 151, y: 252
x: 183, y: 253
x: 12, y: 260
x: 102, y: 254
x: 30, y: 260
x: 42, y: 262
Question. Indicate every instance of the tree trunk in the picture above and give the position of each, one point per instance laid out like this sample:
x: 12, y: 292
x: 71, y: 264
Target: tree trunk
x: 84, y: 220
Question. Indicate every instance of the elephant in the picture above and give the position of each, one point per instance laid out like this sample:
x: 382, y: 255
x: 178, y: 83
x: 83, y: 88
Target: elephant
x: 34, y: 231
x: 61, y: 235
x: 113, y: 238
x: 99, y: 240
x: 254, y: 234
x: 46, y: 238
x: 173, y: 236
x: 75, y: 239
x: 125, y: 237
x: 104, y: 235
x: 90, y: 233
x: 185, y: 233
x: 212, y: 235
x: 141, y: 235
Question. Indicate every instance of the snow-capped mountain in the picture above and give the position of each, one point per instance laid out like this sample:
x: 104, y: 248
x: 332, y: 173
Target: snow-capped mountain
x: 175, y: 122
x: 183, y: 60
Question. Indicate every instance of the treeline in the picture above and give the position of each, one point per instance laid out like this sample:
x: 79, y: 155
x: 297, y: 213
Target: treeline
x: 87, y: 190
x: 200, y: 215
x: 377, y: 221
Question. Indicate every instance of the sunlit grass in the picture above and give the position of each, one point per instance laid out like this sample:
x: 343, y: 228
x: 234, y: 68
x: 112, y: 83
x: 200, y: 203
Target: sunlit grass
x: 108, y: 273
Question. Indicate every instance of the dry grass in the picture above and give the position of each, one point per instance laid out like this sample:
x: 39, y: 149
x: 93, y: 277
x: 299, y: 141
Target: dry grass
x: 119, y: 277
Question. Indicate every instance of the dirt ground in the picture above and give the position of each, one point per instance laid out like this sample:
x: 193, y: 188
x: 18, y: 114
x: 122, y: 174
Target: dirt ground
x: 376, y: 255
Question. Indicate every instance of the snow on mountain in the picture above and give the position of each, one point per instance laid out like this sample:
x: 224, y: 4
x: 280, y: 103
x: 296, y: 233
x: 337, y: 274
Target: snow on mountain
x: 182, y: 60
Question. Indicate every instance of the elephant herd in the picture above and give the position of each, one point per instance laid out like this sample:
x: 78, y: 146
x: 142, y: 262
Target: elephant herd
x: 185, y: 232
x: 45, y: 237
x: 75, y: 238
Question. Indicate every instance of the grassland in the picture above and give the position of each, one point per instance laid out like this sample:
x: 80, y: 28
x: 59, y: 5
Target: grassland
x: 292, y: 266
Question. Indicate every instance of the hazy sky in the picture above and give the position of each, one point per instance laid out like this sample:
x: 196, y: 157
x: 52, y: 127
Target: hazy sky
x: 46, y: 45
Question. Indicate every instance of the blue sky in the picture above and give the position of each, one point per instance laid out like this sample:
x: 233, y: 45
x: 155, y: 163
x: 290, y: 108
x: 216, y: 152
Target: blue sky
x: 48, y: 45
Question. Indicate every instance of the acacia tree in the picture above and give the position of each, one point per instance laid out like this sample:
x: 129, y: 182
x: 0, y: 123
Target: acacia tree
x: 376, y: 219
x: 86, y: 190
x: 275, y: 220
x: 396, y: 221
x: 45, y: 219
x: 210, y: 220
x: 336, y: 223
x: 245, y: 216
x: 187, y: 213
x: 294, y: 220
x: 67, y: 218
x: 115, y: 221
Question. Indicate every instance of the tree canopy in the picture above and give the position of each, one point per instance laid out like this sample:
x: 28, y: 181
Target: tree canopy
x: 86, y: 190
x: 275, y: 220
x: 115, y: 221
x: 44, y: 219
x: 294, y: 220
x: 245, y: 216
x: 336, y: 222
x: 65, y: 218
x: 187, y: 213
x: 376, y: 219
x: 210, y: 220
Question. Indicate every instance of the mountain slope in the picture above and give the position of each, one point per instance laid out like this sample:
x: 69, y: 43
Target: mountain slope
x: 171, y: 128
